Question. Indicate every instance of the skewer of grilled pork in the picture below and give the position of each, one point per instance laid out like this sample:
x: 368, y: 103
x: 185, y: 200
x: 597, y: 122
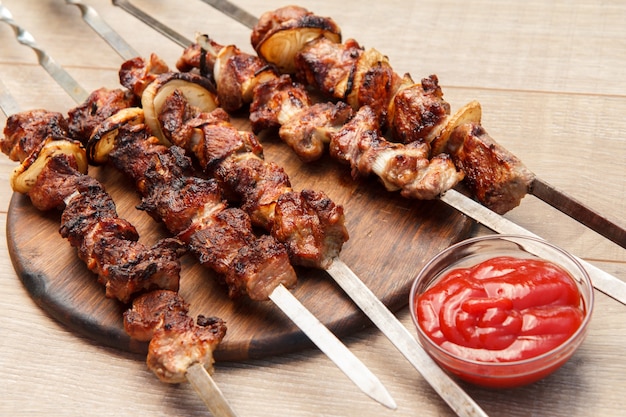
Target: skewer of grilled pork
x: 413, y: 111
x: 307, y: 127
x: 53, y: 173
x: 307, y: 47
x: 307, y: 222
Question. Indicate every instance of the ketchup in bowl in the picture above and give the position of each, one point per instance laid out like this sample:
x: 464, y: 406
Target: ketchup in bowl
x: 494, y: 314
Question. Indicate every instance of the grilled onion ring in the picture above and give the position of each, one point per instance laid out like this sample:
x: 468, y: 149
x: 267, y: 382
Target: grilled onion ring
x: 25, y: 175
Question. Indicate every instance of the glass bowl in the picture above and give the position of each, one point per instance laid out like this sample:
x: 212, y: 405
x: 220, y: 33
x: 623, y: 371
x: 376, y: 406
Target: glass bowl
x: 503, y: 373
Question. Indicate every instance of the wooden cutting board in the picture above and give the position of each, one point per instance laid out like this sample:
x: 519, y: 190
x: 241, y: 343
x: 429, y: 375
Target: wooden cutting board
x: 390, y: 240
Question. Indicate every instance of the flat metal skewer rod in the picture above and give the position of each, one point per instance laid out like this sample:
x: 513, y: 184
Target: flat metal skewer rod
x: 331, y: 346
x: 356, y: 371
x: 578, y: 211
x: 602, y: 281
x: 234, y: 11
x: 102, y: 28
x: 457, y: 399
x: 150, y: 21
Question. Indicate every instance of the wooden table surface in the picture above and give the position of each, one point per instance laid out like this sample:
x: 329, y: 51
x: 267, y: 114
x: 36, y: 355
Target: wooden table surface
x: 551, y: 77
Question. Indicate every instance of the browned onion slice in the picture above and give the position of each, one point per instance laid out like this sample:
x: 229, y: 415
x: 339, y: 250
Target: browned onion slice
x: 25, y: 175
x: 198, y: 92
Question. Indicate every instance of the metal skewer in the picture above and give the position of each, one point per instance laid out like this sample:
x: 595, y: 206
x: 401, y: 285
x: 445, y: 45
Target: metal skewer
x: 102, y: 28
x: 328, y: 343
x: 61, y: 76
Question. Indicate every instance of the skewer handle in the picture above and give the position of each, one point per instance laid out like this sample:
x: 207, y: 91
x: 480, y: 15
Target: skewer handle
x: 234, y: 11
x: 208, y: 390
x: 93, y: 19
x: 458, y: 400
x: 328, y: 343
x: 61, y: 76
x: 150, y: 21
x: 578, y: 211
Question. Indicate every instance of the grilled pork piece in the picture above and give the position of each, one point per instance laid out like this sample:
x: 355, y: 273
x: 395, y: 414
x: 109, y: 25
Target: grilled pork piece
x: 25, y: 132
x: 109, y: 246
x: 400, y: 167
x: 276, y: 101
x: 418, y: 112
x: 495, y: 176
x: 176, y: 342
x: 349, y: 73
x: 137, y: 73
x: 100, y: 104
x: 309, y: 131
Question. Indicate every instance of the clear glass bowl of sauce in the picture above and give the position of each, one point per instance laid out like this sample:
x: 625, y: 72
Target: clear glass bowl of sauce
x: 501, y: 311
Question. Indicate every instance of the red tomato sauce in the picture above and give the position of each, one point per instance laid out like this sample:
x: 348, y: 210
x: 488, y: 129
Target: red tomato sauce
x: 503, y: 309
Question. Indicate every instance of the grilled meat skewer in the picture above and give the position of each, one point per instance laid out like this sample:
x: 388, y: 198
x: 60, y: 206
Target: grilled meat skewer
x: 53, y: 174
x: 192, y: 208
x: 348, y: 73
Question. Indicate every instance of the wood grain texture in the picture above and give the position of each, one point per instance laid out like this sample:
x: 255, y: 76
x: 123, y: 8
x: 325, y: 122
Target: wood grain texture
x: 551, y: 78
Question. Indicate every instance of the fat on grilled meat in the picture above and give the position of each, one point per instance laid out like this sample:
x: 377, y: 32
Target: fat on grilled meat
x: 276, y: 101
x: 309, y: 133
x: 135, y: 74
x: 176, y: 342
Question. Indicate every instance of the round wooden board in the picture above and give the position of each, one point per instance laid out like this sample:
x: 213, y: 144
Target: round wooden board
x: 390, y: 240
